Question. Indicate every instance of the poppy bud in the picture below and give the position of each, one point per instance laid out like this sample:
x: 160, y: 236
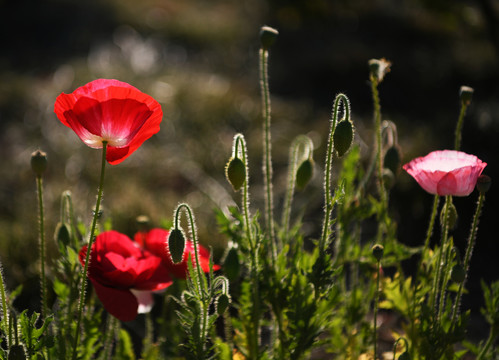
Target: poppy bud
x: 16, y: 352
x: 379, y: 68
x: 466, y: 93
x: 62, y: 234
x: 392, y: 159
x: 458, y: 274
x: 39, y: 162
x: 222, y: 303
x: 343, y: 136
x: 378, y: 251
x: 388, y: 179
x: 304, y: 173
x: 176, y: 245
x: 483, y: 183
x: 268, y: 36
x: 232, y: 265
x: 451, y: 216
x: 405, y: 356
x: 235, y: 171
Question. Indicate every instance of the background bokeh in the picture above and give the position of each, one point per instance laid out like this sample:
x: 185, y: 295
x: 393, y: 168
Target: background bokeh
x: 198, y: 58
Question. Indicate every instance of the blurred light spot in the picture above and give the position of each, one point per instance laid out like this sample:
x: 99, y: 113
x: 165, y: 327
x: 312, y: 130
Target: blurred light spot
x: 74, y: 167
x: 217, y: 85
x: 162, y: 91
x: 63, y: 77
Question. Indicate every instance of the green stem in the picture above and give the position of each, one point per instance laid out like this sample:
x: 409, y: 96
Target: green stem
x: 89, y: 250
x: 436, y: 279
x: 459, y: 127
x: 467, y: 256
x: 5, y: 314
x: 376, y: 301
x: 267, y: 167
x: 41, y: 230
x: 377, y: 128
x: 488, y: 343
x: 328, y: 206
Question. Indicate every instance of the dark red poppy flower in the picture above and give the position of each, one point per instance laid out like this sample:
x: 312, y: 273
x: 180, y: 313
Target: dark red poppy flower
x: 123, y: 275
x: 112, y: 111
x: 446, y: 172
x: 155, y: 241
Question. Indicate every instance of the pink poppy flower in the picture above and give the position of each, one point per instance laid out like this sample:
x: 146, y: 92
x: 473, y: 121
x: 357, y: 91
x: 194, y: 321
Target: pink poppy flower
x: 155, y: 241
x: 112, y: 111
x: 446, y: 172
x: 123, y: 275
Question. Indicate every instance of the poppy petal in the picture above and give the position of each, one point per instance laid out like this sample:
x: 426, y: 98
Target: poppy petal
x: 120, y: 303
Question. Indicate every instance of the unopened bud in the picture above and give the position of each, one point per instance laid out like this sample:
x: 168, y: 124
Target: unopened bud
x: 235, y: 171
x: 304, y: 173
x: 458, y: 274
x: 379, y: 68
x: 232, y: 265
x: 268, y: 36
x: 405, y: 356
x: 392, y: 159
x: 39, y: 162
x: 451, y: 216
x: 483, y: 183
x: 343, y: 136
x: 466, y: 93
x: 16, y: 352
x: 176, y: 245
x: 388, y: 179
x: 378, y: 251
x: 223, y: 302
x: 62, y: 234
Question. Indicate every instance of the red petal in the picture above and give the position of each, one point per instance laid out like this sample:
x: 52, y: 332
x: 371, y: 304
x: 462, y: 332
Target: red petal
x: 122, y: 304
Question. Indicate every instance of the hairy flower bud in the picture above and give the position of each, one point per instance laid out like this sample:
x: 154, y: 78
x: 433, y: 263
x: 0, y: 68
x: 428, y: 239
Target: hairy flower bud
x: 392, y: 159
x: 404, y: 356
x: 378, y: 251
x: 304, y: 173
x: 235, y: 171
x: 62, y: 234
x: 232, y: 265
x: 466, y: 93
x: 223, y: 302
x: 39, y: 162
x: 483, y: 183
x: 458, y: 274
x: 268, y: 36
x: 16, y: 352
x: 451, y: 216
x: 176, y: 245
x: 343, y: 136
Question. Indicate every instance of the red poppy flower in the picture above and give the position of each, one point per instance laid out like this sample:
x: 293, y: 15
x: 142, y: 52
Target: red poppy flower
x: 155, y: 242
x: 446, y: 172
x: 123, y: 275
x: 112, y: 111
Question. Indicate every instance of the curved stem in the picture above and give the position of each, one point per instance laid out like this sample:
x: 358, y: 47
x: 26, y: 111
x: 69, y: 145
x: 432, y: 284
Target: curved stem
x: 267, y: 167
x: 89, y: 250
x: 376, y: 301
x: 328, y: 206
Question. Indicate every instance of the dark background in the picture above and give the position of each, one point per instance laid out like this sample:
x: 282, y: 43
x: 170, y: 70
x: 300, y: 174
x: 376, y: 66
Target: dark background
x: 199, y: 60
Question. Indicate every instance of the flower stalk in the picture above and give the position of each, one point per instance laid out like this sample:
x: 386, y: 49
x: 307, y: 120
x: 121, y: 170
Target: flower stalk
x: 89, y: 250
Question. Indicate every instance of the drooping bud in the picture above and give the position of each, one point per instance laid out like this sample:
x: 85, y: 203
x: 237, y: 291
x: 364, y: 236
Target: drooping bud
x: 388, y: 179
x: 378, y: 251
x: 16, y: 352
x: 223, y: 302
x: 466, y: 93
x: 235, y: 172
x: 379, y: 68
x: 268, y: 36
x: 176, y: 245
x: 404, y: 356
x: 451, y: 216
x: 458, y: 274
x: 232, y: 265
x: 62, y: 234
x: 39, y: 162
x: 392, y: 159
x: 304, y: 173
x: 343, y: 136
x: 483, y: 183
